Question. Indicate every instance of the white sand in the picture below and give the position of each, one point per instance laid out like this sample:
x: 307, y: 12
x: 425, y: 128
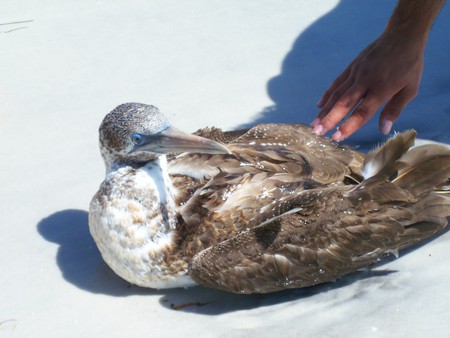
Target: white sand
x: 222, y: 63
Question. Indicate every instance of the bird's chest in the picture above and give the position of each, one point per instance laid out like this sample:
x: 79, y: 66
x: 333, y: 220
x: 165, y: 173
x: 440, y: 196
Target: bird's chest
x: 137, y: 203
x: 132, y: 220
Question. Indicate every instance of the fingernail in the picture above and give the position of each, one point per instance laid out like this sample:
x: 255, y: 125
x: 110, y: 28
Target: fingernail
x: 320, y: 103
x: 315, y: 122
x: 337, y: 136
x: 318, y: 129
x: 386, y: 126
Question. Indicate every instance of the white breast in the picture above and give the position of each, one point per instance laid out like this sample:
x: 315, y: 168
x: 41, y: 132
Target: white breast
x: 133, y: 222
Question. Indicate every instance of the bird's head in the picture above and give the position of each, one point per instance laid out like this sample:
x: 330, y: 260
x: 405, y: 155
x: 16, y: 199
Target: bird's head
x: 137, y: 133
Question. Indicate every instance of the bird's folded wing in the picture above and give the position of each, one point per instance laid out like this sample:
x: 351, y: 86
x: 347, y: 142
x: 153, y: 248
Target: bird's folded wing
x: 281, y: 148
x: 231, y: 203
x: 331, y: 238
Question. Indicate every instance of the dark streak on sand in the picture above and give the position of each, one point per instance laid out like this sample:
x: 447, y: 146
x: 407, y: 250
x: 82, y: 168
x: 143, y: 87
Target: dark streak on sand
x: 184, y: 305
x: 14, y: 23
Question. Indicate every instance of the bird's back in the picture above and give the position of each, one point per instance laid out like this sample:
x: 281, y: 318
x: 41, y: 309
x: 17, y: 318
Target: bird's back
x: 220, y: 195
x: 333, y: 230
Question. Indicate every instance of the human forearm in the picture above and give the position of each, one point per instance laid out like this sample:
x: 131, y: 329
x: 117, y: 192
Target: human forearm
x: 413, y: 19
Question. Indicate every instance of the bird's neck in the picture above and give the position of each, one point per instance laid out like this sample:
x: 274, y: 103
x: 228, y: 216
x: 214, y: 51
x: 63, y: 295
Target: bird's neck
x: 156, y: 183
x: 114, y: 163
x: 157, y: 171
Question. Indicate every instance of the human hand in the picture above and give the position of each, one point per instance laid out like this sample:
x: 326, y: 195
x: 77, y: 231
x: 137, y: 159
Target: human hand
x: 388, y: 70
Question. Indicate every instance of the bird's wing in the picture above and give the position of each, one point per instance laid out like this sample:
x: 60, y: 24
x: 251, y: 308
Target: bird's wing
x: 335, y: 231
x: 233, y: 202
x: 216, y: 134
x: 268, y: 166
x: 320, y: 151
x: 276, y: 148
x: 319, y: 233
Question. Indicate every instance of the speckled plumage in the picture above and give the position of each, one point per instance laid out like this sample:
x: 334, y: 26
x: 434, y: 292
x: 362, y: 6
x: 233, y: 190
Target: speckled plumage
x: 279, y: 207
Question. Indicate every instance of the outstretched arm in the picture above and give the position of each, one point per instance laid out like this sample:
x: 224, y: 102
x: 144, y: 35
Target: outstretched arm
x: 387, y: 71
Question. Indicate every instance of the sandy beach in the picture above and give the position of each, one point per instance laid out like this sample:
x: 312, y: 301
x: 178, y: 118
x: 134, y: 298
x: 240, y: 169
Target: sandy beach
x: 66, y: 64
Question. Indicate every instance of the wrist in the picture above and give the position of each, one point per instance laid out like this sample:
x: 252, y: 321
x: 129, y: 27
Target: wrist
x: 404, y: 31
x: 404, y: 37
x: 412, y: 19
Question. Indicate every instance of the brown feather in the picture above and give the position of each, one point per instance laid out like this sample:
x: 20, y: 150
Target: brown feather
x: 336, y: 230
x: 381, y: 160
x: 283, y: 210
x: 218, y: 135
x: 300, y: 250
x: 417, y: 168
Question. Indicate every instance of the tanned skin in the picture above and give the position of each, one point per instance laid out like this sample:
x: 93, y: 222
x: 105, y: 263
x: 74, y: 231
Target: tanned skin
x: 388, y: 71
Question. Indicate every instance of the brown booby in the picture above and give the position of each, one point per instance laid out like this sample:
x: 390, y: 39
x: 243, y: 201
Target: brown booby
x: 258, y: 210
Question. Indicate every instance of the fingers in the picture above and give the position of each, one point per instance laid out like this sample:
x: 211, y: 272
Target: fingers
x: 366, y: 109
x: 359, y: 117
x: 385, y: 71
x: 394, y: 107
x: 340, y: 94
x: 333, y: 87
x: 338, y: 106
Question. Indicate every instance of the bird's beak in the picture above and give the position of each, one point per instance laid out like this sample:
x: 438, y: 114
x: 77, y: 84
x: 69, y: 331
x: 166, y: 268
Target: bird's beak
x: 172, y: 140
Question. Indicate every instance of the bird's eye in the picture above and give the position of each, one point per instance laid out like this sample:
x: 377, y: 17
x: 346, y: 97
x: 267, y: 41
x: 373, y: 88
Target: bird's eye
x: 137, y: 139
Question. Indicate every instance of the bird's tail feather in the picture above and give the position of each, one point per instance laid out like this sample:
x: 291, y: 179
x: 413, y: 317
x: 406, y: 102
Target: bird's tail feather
x: 423, y: 176
x: 380, y: 161
x: 418, y: 170
x: 424, y: 168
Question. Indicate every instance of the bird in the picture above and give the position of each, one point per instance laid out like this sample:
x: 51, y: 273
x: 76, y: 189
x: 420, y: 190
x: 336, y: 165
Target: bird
x: 257, y: 210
